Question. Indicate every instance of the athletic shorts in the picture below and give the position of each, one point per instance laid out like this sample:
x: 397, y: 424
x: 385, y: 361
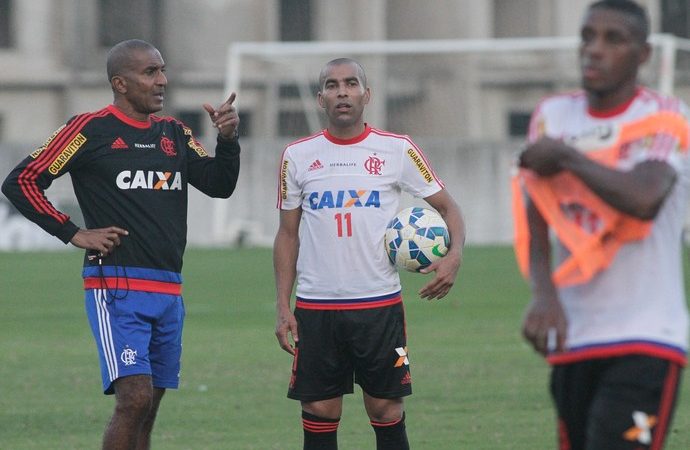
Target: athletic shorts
x: 623, y: 403
x: 140, y: 334
x: 336, y: 345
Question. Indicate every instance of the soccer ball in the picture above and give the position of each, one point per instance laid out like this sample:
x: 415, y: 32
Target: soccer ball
x: 415, y: 238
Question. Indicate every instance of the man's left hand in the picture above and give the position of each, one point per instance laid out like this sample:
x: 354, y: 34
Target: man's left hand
x: 225, y: 118
x: 446, y: 269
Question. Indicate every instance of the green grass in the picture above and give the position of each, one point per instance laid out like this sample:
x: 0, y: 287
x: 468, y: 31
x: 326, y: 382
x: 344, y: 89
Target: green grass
x: 477, y: 385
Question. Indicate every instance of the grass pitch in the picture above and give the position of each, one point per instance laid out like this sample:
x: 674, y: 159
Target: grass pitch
x: 476, y: 384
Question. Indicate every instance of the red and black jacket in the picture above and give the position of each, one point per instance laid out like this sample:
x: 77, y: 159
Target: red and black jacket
x: 130, y: 174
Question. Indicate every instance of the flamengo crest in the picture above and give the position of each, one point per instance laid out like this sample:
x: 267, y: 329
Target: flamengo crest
x: 374, y: 164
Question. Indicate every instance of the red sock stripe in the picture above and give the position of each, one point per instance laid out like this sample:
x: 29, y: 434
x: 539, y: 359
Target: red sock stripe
x: 668, y: 396
x: 385, y: 424
x: 320, y: 427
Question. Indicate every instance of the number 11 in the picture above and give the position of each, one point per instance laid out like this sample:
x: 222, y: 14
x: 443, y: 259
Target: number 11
x: 348, y: 223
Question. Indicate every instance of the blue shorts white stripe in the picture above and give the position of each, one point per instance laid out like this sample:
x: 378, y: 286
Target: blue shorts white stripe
x: 140, y: 334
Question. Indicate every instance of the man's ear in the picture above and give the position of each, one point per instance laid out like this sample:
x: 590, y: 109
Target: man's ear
x: 119, y: 84
x: 319, y: 99
x: 646, y: 53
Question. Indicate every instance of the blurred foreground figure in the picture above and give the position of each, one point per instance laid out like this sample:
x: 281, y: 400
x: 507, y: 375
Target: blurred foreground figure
x: 606, y: 171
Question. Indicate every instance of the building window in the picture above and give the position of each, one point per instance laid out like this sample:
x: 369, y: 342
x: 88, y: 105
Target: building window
x: 518, y: 123
x: 517, y: 18
x: 292, y: 123
x: 295, y: 20
x: 192, y: 119
x: 6, y: 34
x: 245, y: 123
x: 129, y: 19
x: 674, y: 17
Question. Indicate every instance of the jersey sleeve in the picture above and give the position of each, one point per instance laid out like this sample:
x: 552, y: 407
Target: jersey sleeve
x: 537, y: 124
x: 417, y: 177
x: 26, y: 184
x: 214, y: 176
x: 665, y: 146
x: 289, y: 191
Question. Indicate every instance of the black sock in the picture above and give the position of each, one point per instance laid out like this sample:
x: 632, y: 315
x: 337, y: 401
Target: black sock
x: 319, y: 433
x: 391, y: 435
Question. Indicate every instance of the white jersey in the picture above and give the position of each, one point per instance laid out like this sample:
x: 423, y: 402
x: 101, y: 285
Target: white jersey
x: 638, y: 304
x: 348, y: 191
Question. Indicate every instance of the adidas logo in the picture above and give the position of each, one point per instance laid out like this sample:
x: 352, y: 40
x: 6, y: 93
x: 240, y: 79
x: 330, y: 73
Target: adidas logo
x: 407, y: 379
x: 315, y: 165
x: 119, y: 144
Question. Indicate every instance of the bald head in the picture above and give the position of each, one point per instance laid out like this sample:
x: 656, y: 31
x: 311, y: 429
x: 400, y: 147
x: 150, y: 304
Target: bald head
x: 341, y: 61
x: 120, y: 56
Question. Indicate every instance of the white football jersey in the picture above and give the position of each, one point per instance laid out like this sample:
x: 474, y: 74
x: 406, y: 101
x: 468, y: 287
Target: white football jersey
x: 348, y: 191
x: 638, y: 304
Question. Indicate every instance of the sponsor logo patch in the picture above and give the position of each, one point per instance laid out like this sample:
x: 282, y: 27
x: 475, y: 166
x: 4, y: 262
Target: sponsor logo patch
x: 40, y: 149
x: 283, y: 180
x: 194, y: 145
x: 421, y: 165
x: 147, y: 179
x: 402, y: 357
x: 642, y: 431
x: 67, y: 153
x: 351, y: 198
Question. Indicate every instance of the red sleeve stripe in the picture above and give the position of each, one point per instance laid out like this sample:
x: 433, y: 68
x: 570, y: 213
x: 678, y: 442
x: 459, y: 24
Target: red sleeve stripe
x: 27, y: 179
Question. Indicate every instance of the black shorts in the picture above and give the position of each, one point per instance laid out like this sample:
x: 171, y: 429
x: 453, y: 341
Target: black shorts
x: 335, y: 345
x: 621, y: 403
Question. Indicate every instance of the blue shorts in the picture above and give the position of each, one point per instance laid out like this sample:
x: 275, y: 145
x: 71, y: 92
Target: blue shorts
x: 140, y: 334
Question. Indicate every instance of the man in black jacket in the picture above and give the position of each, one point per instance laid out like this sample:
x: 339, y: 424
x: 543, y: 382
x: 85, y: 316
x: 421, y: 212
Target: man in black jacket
x: 130, y: 170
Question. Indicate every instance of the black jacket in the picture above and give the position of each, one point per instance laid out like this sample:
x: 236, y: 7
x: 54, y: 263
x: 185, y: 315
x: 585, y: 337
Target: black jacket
x: 126, y: 173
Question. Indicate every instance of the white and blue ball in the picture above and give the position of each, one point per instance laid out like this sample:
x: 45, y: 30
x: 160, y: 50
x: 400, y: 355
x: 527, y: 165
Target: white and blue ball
x: 415, y: 238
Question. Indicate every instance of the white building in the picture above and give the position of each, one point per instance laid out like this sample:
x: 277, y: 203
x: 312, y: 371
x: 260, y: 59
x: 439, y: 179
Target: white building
x: 467, y: 110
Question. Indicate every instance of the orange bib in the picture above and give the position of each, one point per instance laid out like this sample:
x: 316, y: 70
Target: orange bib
x: 590, y: 252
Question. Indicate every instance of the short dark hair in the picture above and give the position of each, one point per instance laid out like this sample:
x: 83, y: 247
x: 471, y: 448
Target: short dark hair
x: 338, y: 62
x: 632, y: 9
x: 118, y: 56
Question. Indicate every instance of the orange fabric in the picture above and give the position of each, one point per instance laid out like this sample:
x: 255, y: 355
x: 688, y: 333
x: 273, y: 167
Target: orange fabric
x: 590, y: 253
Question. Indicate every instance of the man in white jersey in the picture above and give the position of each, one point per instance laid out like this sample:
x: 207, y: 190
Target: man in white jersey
x: 612, y: 320
x: 338, y: 190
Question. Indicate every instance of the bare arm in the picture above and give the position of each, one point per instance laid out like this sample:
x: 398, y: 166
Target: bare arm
x: 544, y: 313
x: 447, y: 267
x: 285, y: 251
x: 639, y: 192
